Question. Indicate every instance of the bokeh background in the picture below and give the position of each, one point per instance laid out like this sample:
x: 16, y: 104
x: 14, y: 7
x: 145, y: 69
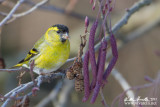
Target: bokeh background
x: 137, y: 58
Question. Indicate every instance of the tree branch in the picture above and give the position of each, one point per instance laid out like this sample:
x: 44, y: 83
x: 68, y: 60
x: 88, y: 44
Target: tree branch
x: 40, y: 79
x: 15, y: 16
x: 123, y: 83
x: 103, y: 99
x: 121, y: 22
x: 64, y: 94
x: 9, y: 16
x: 126, y: 17
x: 51, y: 96
x: 153, y: 85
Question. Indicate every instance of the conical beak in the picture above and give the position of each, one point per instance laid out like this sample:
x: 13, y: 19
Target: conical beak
x: 65, y: 36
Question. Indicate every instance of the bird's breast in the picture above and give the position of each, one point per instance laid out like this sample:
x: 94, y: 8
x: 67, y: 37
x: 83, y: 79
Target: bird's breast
x: 53, y: 56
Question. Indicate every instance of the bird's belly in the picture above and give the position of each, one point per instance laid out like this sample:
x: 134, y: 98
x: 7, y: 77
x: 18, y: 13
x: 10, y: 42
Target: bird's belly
x: 51, y: 59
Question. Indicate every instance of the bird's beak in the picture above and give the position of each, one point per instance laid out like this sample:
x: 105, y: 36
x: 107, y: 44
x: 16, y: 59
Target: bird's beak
x: 65, y: 36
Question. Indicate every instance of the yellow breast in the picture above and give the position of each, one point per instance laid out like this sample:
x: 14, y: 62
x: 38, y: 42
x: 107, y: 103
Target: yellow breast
x: 52, y: 56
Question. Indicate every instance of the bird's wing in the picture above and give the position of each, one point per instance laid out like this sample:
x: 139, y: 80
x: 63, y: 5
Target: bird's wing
x: 32, y: 53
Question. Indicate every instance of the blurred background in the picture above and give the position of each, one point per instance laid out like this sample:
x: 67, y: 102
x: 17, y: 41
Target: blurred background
x: 137, y: 57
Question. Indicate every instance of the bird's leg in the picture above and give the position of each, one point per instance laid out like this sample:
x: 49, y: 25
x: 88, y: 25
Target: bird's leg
x: 35, y: 88
x: 31, y: 72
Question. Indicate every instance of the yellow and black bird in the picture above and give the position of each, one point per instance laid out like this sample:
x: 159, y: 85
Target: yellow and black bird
x: 50, y: 52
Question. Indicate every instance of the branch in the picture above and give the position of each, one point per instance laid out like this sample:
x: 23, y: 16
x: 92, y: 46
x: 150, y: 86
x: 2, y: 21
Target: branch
x: 103, y: 99
x: 153, y: 85
x: 60, y: 10
x: 123, y: 83
x: 15, y: 16
x: 137, y: 33
x: 40, y: 79
x: 64, y: 95
x: 48, y: 8
x: 142, y: 30
x: 113, y: 43
x: 9, y: 16
x: 121, y: 22
x: 126, y: 17
x: 51, y: 96
x: 14, y: 70
x: 31, y: 10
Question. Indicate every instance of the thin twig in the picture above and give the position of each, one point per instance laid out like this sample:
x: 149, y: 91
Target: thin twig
x: 125, y: 18
x: 142, y: 30
x: 22, y: 102
x: 82, y: 45
x: 136, y: 88
x: 31, y: 9
x: 64, y: 94
x: 121, y: 22
x: 60, y: 10
x: 123, y: 83
x: 14, y: 70
x: 103, y: 99
x: 51, y: 96
x: 31, y: 72
x: 15, y: 16
x: 40, y: 79
x: 9, y: 16
x: 149, y: 79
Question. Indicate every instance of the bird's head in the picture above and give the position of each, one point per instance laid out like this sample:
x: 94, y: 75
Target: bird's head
x: 58, y: 33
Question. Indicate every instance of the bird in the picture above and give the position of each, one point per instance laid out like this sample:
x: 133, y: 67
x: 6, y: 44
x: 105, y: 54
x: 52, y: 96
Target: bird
x: 50, y: 52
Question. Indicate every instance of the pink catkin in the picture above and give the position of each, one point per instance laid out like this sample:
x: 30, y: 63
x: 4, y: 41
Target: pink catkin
x: 86, y: 77
x: 102, y: 58
x: 91, y: 1
x: 99, y: 55
x: 95, y: 93
x: 94, y: 5
x: 92, y: 53
x: 114, y: 59
x: 102, y: 61
x: 86, y: 22
x: 106, y: 6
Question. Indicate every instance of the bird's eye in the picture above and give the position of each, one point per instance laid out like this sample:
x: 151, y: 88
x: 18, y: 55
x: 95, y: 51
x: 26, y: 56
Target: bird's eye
x: 58, y: 31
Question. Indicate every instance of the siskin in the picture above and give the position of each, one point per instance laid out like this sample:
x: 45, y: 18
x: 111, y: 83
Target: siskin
x: 50, y: 52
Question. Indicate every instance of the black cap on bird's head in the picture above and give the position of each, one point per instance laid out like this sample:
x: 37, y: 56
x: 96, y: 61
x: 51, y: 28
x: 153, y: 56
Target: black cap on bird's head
x: 62, y: 28
x: 62, y: 31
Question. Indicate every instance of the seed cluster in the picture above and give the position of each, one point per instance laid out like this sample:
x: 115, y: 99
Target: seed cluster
x: 75, y: 72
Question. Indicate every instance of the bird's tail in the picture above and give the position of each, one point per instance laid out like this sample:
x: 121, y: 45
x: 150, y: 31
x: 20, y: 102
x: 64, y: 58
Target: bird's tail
x: 17, y: 65
x: 20, y: 64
